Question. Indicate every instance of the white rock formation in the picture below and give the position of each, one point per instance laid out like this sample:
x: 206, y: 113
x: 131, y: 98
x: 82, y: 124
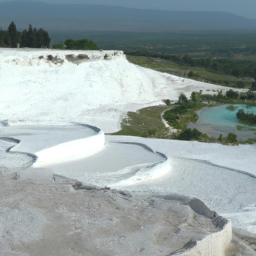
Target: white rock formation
x: 94, y: 87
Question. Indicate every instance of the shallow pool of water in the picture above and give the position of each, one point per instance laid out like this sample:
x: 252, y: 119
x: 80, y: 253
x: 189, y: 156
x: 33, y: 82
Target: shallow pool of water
x: 223, y: 119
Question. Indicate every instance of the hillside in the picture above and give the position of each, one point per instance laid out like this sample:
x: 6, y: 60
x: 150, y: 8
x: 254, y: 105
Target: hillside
x: 58, y: 92
x: 94, y: 87
x: 82, y: 17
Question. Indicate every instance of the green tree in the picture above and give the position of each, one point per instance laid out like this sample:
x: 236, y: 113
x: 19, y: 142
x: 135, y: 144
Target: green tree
x: 30, y: 38
x: 231, y: 94
x: 58, y: 46
x: 220, y: 95
x: 34, y: 39
x: 247, y: 118
x: 183, y: 98
x: 24, y: 38
x: 47, y: 39
x: 167, y: 102
x: 40, y: 38
x: 12, y: 34
x: 82, y: 44
x: 236, y: 72
x: 195, y: 96
x: 220, y: 138
x: 231, y: 138
x: 190, y: 134
x: 188, y: 60
x: 4, y: 38
x: 71, y: 44
x: 250, y: 95
x: 191, y: 74
x: 240, y: 84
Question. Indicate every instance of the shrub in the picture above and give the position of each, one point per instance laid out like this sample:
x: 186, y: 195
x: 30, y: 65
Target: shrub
x: 82, y: 44
x: 183, y: 98
x: 231, y: 107
x: 58, y: 46
x: 167, y: 102
x: 247, y: 118
x: 231, y: 138
x: 191, y: 74
x: 231, y: 94
x: 189, y: 134
x: 151, y: 131
x: 240, y: 84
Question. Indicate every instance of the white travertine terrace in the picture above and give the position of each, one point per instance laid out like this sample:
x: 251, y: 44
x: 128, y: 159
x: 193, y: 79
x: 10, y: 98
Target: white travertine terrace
x: 93, y: 87
x: 55, y: 90
x: 71, y: 151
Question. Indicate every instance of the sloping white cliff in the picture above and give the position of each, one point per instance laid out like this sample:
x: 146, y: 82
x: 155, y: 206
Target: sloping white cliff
x: 95, y: 87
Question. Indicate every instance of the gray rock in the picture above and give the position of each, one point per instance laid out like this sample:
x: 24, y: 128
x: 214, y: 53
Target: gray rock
x: 39, y: 219
x: 107, y: 57
x: 80, y: 58
x: 55, y: 60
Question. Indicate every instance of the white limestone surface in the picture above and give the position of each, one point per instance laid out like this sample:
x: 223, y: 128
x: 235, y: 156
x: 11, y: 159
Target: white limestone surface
x: 241, y: 158
x: 44, y: 87
x: 213, y: 244
x: 220, y: 176
x: 99, y: 89
x: 117, y: 162
x: 223, y: 177
x: 14, y: 161
x: 55, y: 144
x: 71, y: 151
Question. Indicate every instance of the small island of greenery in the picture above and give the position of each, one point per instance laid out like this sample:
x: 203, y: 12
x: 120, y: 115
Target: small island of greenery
x: 246, y: 118
x: 231, y: 107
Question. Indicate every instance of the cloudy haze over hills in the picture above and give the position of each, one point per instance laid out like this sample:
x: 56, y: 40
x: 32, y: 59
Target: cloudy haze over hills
x: 239, y: 7
x: 88, y: 17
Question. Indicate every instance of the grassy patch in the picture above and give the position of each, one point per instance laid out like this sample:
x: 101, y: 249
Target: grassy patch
x: 180, y: 116
x: 199, y: 74
x: 146, y: 122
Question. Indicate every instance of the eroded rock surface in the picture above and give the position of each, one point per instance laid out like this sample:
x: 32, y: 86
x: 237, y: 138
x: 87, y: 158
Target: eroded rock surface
x: 80, y: 58
x: 46, y: 215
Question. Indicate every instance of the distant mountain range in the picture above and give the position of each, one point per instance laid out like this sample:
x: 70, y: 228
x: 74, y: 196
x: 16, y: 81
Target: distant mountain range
x: 113, y: 18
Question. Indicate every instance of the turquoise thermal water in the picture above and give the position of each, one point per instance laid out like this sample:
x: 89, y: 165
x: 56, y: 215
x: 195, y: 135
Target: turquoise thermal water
x: 221, y: 118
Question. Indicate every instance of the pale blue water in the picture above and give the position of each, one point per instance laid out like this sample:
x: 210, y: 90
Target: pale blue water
x: 223, y: 119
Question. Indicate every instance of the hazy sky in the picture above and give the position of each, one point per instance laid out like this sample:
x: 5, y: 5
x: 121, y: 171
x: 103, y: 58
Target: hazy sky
x: 244, y: 8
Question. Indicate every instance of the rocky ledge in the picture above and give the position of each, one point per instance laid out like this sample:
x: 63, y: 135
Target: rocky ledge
x: 45, y: 214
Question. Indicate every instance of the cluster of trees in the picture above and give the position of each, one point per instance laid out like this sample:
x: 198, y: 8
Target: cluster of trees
x: 189, y: 134
x: 83, y: 44
x: 247, y: 118
x: 195, y: 97
x: 172, y: 115
x: 10, y: 37
x: 226, y: 66
x: 32, y: 37
x: 198, y: 97
x: 229, y: 95
x: 231, y: 138
x: 231, y: 107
